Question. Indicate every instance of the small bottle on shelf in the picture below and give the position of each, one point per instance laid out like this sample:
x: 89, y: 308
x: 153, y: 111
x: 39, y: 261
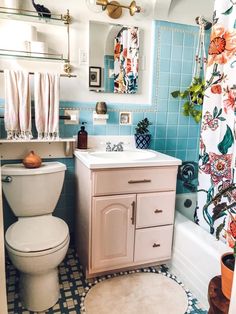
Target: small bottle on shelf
x: 82, y: 137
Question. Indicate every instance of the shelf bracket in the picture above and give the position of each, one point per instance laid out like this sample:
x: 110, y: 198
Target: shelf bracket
x: 66, y: 18
x: 68, y: 69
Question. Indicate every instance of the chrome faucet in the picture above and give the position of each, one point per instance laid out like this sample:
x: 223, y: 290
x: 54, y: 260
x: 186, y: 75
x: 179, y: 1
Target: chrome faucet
x: 118, y: 147
x: 108, y: 146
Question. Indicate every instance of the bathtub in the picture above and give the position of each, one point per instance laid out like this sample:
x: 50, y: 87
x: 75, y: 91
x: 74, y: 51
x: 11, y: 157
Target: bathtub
x: 196, y: 253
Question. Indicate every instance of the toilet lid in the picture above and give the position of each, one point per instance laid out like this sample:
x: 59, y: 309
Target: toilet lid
x: 33, y: 234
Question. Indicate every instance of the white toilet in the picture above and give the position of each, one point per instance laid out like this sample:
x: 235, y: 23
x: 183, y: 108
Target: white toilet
x: 37, y: 243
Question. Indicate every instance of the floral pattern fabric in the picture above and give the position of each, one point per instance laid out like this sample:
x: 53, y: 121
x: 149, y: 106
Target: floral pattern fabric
x: 217, y: 193
x: 126, y: 56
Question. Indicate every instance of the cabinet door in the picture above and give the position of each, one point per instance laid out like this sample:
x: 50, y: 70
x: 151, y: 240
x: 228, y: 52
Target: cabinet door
x: 112, y: 231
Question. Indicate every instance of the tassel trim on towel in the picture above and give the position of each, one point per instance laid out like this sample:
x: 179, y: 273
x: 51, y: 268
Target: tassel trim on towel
x: 48, y: 136
x: 19, y: 135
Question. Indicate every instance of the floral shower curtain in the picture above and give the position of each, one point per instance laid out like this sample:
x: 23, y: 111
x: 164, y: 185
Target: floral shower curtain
x: 126, y: 54
x: 216, y: 194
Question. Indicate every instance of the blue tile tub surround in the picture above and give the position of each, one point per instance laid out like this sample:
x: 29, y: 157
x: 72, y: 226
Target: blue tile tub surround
x: 172, y: 133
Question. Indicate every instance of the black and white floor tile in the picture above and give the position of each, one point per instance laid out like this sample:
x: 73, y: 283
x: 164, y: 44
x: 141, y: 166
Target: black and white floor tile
x: 73, y: 287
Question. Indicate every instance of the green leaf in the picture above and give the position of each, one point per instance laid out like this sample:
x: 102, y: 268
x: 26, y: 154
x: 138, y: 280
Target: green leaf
x: 227, y: 12
x: 198, y: 117
x: 186, y: 105
x: 183, y: 94
x: 219, y: 230
x: 186, y: 108
x: 215, y: 111
x: 200, y: 101
x: 195, y: 88
x: 221, y: 119
x: 205, y: 158
x: 193, y: 98
x: 227, y: 141
x: 175, y: 94
x: 219, y: 113
x: 210, y: 194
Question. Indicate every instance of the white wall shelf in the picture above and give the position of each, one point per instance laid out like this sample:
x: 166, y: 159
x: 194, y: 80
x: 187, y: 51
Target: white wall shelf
x: 18, y: 149
x: 99, y: 119
x: 32, y: 16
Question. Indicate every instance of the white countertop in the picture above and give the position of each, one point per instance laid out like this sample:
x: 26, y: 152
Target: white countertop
x: 95, y: 159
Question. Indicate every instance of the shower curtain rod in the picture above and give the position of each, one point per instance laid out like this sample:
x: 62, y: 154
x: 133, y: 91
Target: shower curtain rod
x: 202, y: 20
x: 63, y: 75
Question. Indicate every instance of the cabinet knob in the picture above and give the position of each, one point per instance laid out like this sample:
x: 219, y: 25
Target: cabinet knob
x: 158, y: 211
x: 156, y: 245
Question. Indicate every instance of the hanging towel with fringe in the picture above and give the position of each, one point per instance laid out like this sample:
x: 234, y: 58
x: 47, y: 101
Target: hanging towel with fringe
x: 46, y: 98
x: 17, y: 114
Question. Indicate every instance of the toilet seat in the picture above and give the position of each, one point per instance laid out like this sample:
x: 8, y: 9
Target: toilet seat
x: 37, y: 234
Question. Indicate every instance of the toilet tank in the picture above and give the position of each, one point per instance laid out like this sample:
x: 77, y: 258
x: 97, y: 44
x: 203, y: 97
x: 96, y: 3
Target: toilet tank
x: 33, y: 192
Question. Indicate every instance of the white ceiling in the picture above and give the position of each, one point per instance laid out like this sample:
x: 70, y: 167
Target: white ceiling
x: 183, y: 11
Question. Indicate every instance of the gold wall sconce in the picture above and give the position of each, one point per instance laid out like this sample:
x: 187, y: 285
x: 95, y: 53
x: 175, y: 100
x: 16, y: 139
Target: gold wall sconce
x: 114, y: 8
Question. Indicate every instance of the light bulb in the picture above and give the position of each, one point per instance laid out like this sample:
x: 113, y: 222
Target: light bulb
x: 146, y: 10
x: 91, y: 4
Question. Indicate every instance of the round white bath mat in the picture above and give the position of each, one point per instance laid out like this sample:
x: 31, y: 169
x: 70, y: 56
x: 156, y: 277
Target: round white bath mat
x: 138, y: 293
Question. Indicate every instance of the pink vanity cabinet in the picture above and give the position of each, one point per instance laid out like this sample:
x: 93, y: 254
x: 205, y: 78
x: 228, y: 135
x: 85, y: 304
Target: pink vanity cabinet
x: 124, y: 216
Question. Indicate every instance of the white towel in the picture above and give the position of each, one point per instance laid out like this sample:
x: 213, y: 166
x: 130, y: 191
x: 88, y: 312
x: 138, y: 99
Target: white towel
x: 46, y: 97
x: 17, y: 115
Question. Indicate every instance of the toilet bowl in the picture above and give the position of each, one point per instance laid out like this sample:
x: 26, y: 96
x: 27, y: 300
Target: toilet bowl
x: 37, y: 243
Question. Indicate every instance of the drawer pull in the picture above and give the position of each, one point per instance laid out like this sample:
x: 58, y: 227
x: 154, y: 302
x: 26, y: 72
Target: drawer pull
x: 158, y: 211
x: 133, y: 213
x: 139, y: 181
x: 156, y: 245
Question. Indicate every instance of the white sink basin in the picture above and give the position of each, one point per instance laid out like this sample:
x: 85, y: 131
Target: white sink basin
x: 125, y: 155
x: 128, y: 158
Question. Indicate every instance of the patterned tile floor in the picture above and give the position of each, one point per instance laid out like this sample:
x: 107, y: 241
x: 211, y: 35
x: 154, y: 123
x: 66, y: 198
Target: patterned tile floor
x: 73, y: 288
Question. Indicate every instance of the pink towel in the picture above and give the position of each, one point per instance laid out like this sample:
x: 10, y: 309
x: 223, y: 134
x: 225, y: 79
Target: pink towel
x: 17, y: 115
x: 46, y: 97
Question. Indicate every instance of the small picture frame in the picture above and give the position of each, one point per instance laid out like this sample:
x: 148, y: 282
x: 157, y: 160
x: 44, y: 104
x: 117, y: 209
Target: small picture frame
x: 95, y: 76
x: 125, y: 118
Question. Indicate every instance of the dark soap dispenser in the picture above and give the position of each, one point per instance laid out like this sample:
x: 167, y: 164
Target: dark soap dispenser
x: 82, y: 137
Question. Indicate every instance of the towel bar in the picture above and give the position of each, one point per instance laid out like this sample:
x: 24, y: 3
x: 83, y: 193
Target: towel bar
x: 60, y: 117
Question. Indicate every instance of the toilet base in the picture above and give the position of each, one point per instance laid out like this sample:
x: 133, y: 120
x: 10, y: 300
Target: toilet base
x: 39, y: 292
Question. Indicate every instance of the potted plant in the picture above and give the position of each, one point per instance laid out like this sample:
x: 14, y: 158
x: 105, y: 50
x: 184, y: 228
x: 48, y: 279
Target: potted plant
x: 224, y: 204
x: 194, y: 98
x: 142, y: 135
x: 228, y: 262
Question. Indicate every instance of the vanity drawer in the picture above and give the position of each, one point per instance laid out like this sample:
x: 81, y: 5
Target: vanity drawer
x: 153, y: 244
x: 134, y: 180
x: 155, y: 209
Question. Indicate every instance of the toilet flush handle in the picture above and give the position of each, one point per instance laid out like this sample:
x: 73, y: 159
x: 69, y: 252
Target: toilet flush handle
x: 6, y: 179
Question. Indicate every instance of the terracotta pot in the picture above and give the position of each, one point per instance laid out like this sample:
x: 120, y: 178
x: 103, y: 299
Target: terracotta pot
x: 32, y: 160
x: 226, y: 276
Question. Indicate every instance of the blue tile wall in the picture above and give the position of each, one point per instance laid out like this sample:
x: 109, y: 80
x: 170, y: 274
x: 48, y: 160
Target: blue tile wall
x: 172, y: 133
